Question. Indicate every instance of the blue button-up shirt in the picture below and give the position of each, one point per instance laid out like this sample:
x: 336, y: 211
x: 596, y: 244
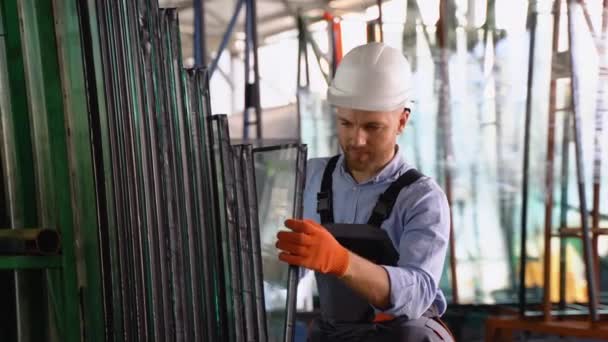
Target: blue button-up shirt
x: 418, y: 226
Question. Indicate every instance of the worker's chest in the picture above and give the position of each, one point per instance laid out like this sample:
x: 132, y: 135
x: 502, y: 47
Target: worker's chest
x: 352, y: 203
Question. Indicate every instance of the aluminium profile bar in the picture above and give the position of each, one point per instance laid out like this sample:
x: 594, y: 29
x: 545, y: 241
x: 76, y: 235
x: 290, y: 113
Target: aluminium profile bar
x: 293, y: 272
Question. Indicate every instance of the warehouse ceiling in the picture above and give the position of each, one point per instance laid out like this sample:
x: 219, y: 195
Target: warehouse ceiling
x: 274, y: 16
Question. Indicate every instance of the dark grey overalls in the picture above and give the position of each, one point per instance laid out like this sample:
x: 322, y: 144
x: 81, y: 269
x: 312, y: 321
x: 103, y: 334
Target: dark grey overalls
x: 346, y: 316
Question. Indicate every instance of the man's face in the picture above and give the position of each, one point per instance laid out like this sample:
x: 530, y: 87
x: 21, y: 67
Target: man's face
x: 368, y: 138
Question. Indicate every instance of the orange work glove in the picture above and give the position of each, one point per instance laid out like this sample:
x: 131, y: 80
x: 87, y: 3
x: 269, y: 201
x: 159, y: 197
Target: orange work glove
x: 310, y: 245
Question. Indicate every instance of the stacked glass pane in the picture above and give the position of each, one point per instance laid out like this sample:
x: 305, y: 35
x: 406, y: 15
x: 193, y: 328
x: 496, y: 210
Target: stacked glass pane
x: 181, y: 252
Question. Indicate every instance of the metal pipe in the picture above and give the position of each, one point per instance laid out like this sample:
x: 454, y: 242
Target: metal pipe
x: 525, y: 175
x: 30, y: 241
x: 247, y: 57
x: 256, y: 72
x: 315, y: 47
x: 600, y: 112
x: 200, y: 41
x: 549, y: 172
x: 302, y: 53
x: 380, y: 21
x: 587, y: 18
x: 475, y: 219
x: 319, y: 56
x: 445, y: 122
x: 226, y: 37
x: 302, y: 57
x: 335, y: 38
x: 563, y: 214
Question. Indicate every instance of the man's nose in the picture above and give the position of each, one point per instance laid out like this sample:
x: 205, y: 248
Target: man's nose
x: 359, y: 137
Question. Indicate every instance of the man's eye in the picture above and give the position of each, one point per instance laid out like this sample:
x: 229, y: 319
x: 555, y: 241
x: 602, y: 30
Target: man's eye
x: 345, y: 124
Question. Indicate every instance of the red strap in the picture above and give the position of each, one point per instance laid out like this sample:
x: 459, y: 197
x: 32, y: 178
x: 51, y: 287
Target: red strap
x: 382, y: 317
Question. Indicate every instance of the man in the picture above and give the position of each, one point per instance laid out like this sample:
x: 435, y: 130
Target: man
x: 362, y: 300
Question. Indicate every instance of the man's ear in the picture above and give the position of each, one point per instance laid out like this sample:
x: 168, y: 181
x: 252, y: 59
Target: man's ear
x: 404, y: 116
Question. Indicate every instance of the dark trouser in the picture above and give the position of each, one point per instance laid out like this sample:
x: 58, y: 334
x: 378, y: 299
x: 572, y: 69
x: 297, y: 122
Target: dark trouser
x: 427, y: 328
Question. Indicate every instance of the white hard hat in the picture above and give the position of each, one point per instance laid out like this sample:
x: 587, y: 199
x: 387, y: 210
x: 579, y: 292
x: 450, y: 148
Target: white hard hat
x: 373, y: 77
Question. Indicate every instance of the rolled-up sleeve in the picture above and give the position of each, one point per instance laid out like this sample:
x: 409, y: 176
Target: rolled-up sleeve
x: 421, y: 230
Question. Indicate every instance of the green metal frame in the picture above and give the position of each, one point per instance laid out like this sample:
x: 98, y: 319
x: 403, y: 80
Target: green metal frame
x: 43, y: 85
x: 48, y: 131
x: 16, y: 126
x: 75, y: 148
x: 19, y: 171
x: 29, y: 262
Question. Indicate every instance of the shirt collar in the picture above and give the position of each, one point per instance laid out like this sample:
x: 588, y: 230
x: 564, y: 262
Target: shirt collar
x: 390, y: 172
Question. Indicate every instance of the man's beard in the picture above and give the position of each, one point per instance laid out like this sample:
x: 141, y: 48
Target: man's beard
x: 358, y: 159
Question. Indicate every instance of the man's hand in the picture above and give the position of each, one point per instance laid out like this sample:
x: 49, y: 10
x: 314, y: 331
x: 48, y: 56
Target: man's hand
x: 310, y: 245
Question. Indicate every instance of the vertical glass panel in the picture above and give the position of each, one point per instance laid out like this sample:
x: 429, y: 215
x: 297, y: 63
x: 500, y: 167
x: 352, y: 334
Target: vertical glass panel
x: 251, y: 203
x: 588, y: 91
x: 244, y: 233
x: 223, y: 227
x: 487, y: 78
x: 317, y: 124
x: 276, y: 175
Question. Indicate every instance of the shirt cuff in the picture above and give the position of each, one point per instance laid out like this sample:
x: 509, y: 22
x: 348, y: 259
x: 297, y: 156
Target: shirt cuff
x: 396, y: 285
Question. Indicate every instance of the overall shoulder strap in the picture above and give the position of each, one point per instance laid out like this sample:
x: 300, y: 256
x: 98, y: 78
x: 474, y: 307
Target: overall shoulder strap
x: 387, y: 200
x: 325, y: 206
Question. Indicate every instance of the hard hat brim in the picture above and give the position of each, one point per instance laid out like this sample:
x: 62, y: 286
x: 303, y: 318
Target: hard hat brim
x: 340, y: 99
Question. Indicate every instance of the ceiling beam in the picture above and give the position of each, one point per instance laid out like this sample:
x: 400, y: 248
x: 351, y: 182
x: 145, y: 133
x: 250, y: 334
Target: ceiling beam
x: 179, y: 4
